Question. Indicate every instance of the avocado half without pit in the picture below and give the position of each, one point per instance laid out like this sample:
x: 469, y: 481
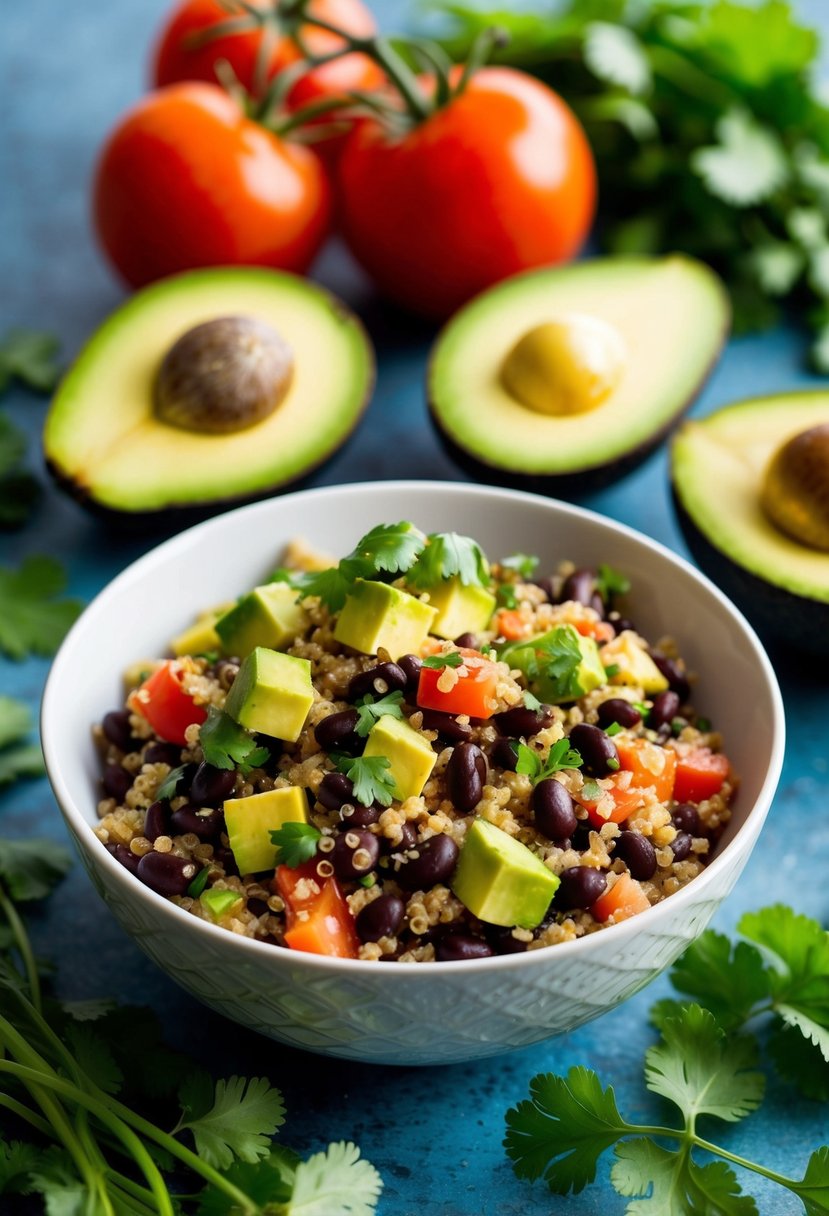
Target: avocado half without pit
x: 562, y: 380
x: 208, y: 389
x: 751, y: 489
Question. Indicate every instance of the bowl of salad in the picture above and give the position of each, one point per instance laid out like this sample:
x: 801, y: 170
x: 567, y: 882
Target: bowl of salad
x: 411, y: 772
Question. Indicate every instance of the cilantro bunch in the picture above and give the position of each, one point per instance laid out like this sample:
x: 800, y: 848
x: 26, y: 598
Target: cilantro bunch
x: 29, y: 357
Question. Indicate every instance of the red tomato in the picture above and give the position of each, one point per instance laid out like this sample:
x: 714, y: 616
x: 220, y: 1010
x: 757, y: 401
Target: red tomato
x: 700, y: 775
x: 624, y: 899
x: 649, y: 765
x: 186, y: 180
x: 472, y: 689
x: 626, y: 800
x: 499, y: 180
x: 164, y: 703
x: 327, y: 926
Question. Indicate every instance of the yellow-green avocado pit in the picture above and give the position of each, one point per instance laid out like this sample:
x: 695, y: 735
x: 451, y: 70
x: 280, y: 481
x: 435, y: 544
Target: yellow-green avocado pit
x: 104, y: 443
x: 671, y: 315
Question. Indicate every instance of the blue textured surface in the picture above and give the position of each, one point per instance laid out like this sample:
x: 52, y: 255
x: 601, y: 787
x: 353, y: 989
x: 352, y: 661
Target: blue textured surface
x: 435, y: 1135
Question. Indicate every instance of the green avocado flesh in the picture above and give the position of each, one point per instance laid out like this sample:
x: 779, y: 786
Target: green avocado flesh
x: 717, y: 468
x: 103, y: 441
x: 672, y: 315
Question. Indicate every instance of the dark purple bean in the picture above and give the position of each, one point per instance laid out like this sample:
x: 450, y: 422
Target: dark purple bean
x: 334, y: 790
x: 257, y: 906
x: 116, y: 781
x: 598, y: 752
x: 116, y: 728
x: 621, y: 624
x: 408, y: 839
x: 673, y: 673
x: 686, y: 818
x: 336, y: 733
x: 580, y: 839
x: 681, y: 845
x: 618, y: 710
x: 157, y: 820
x: 468, y: 640
x: 503, y: 942
x: 597, y: 604
x: 503, y: 755
x: 523, y: 723
x: 206, y: 824
x: 166, y: 873
x: 553, y: 810
x: 410, y: 665
x: 548, y: 586
x: 378, y: 681
x: 127, y: 858
x: 224, y: 857
x: 211, y: 786
x: 447, y: 726
x: 580, y: 887
x: 455, y: 947
x: 465, y: 776
x: 637, y: 853
x: 355, y: 853
x: 163, y: 753
x: 663, y: 710
x: 579, y: 586
x: 355, y: 815
x: 381, y: 918
x: 435, y: 862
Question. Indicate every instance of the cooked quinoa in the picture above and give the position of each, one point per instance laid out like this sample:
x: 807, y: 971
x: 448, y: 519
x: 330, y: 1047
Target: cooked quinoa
x: 614, y: 818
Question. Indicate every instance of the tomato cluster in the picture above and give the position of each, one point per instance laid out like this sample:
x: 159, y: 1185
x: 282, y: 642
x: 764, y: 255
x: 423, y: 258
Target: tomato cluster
x: 494, y: 180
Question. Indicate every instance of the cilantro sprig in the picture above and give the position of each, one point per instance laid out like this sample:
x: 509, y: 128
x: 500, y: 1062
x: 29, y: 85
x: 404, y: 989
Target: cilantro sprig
x: 449, y: 555
x: 297, y: 843
x: 228, y: 745
x: 524, y: 564
x: 561, y: 756
x: 34, y: 617
x: 31, y: 357
x: 550, y: 663
x: 18, y: 758
x: 370, y: 776
x: 19, y: 491
x: 370, y: 709
x: 446, y: 658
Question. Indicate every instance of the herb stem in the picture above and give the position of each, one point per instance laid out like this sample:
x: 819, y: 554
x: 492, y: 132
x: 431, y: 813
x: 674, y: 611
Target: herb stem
x: 789, y: 1183
x: 23, y: 1112
x: 24, y: 948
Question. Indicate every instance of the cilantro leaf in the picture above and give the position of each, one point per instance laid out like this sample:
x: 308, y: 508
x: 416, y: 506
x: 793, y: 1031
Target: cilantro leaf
x: 727, y: 981
x: 336, y: 1182
x: 507, y: 597
x: 550, y: 663
x: 531, y: 702
x: 31, y: 357
x: 610, y: 582
x: 17, y: 1162
x: 615, y: 55
x: 12, y: 446
x: 23, y: 761
x: 228, y: 745
x: 560, y: 756
x: 168, y: 787
x: 746, y: 165
x: 814, y: 1187
x: 799, y: 949
x: 31, y: 869
x: 675, y: 1184
x: 92, y: 1053
x: 32, y: 619
x: 523, y: 563
x: 268, y: 1181
x: 799, y: 1061
x: 371, y: 778
x: 369, y: 710
x: 389, y: 547
x: 297, y: 843
x: 243, y: 1116
x: 447, y: 658
x: 448, y: 555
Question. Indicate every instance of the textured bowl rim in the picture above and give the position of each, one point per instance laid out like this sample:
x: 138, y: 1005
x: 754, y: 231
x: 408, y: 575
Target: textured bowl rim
x: 136, y: 571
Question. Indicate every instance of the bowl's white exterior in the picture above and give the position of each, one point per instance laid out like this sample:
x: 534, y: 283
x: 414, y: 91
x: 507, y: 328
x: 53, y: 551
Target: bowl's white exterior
x: 427, y: 1013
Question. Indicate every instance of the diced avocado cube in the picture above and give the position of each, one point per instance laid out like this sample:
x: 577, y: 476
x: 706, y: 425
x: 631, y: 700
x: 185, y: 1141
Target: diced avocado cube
x: 636, y: 667
x: 460, y: 609
x: 500, y: 881
x: 218, y: 903
x: 541, y: 654
x: 201, y: 637
x: 409, y: 754
x: 250, y: 821
x: 267, y: 616
x: 272, y: 694
x: 376, y: 615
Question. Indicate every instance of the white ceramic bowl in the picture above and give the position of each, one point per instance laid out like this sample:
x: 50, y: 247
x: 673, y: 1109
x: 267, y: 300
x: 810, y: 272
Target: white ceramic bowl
x: 426, y: 1013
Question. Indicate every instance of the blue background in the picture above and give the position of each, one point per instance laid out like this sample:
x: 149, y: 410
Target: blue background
x: 68, y: 70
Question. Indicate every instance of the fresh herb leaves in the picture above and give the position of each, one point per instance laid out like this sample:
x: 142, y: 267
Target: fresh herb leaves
x: 610, y: 583
x: 447, y: 658
x: 31, y: 357
x: 524, y: 564
x: 237, y: 1123
x: 33, y: 619
x: 550, y: 662
x: 17, y: 758
x: 30, y: 869
x: 297, y: 843
x: 370, y: 709
x: 448, y: 555
x: 168, y: 788
x: 18, y: 489
x: 370, y: 776
x: 228, y: 745
x: 507, y: 597
x: 531, y: 702
x: 561, y: 756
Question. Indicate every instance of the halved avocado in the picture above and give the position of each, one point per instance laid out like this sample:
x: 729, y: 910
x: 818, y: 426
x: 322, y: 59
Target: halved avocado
x: 718, y: 469
x: 667, y: 316
x: 106, y: 443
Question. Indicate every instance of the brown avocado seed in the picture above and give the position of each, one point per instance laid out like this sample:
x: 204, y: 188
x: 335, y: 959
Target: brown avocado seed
x: 795, y: 491
x: 224, y: 375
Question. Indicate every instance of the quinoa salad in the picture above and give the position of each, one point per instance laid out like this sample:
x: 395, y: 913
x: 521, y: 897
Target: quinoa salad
x: 414, y: 755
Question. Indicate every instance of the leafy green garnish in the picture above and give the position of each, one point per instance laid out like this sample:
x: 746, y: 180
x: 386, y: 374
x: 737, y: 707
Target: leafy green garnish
x: 506, y: 596
x: 17, y: 758
x: 610, y: 582
x: 297, y: 843
x: 228, y: 745
x: 168, y: 787
x: 612, y: 670
x: 531, y: 702
x: 30, y: 869
x: 448, y: 555
x: 370, y: 709
x: 31, y: 357
x: 370, y: 777
x: 523, y: 563
x: 447, y: 658
x: 550, y: 662
x: 561, y: 756
x: 237, y: 1123
x: 613, y: 729
x: 33, y: 620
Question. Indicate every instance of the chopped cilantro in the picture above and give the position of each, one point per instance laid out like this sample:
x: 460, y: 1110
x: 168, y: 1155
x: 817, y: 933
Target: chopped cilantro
x: 168, y: 787
x: 447, y: 658
x: 561, y: 756
x: 17, y: 757
x: 449, y: 555
x: 199, y: 883
x: 642, y: 708
x: 228, y: 745
x: 531, y: 702
x: 210, y: 656
x: 610, y: 582
x: 678, y: 726
x: 369, y: 710
x: 507, y: 596
x: 559, y: 657
x: 31, y: 357
x: 612, y: 670
x: 613, y: 729
x: 370, y: 777
x: 297, y: 843
x: 368, y: 880
x: 523, y: 563
x: 613, y: 764
x: 30, y: 869
x: 33, y: 620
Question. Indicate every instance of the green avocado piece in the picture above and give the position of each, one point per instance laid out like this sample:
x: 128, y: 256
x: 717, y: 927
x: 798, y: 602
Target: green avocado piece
x: 201, y: 637
x: 634, y: 666
x: 410, y: 755
x: 671, y: 315
x: 272, y: 694
x: 500, y: 881
x: 460, y: 609
x: 560, y: 665
x: 376, y: 615
x: 106, y: 446
x: 250, y: 821
x: 219, y: 902
x: 267, y: 616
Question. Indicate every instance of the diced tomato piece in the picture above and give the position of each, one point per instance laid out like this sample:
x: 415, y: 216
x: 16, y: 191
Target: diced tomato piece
x: 700, y: 775
x: 649, y: 765
x: 626, y: 800
x: 510, y: 624
x: 468, y: 689
x: 164, y: 703
x: 624, y: 899
x: 602, y: 631
x: 319, y: 922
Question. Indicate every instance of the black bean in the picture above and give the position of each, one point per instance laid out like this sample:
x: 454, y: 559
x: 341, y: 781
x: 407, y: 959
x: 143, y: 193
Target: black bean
x: 355, y: 815
x: 157, y: 820
x: 224, y: 857
x: 686, y: 818
x: 410, y: 665
x: 663, y: 710
x: 580, y: 839
x: 618, y: 710
x: 355, y: 852
x: 116, y: 781
x: 523, y: 723
x: 206, y: 824
x: 548, y: 586
x: 580, y: 887
x: 637, y: 853
x: 503, y: 755
x: 673, y: 673
x: 162, y: 753
x: 681, y: 845
x: 377, y: 681
x: 334, y: 790
x: 116, y: 727
x: 435, y: 862
x: 127, y: 858
x: 257, y: 906
x: 211, y: 785
x: 381, y: 918
x: 467, y: 640
x: 455, y: 947
x: 621, y: 623
x: 579, y: 586
x: 598, y: 752
x: 553, y: 810
x: 336, y: 733
x: 465, y: 776
x: 408, y: 839
x: 166, y: 873
x: 447, y: 726
x: 503, y: 942
x: 597, y: 604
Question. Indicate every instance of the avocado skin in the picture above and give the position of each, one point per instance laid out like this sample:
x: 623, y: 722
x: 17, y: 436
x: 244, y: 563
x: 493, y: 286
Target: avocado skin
x: 776, y: 614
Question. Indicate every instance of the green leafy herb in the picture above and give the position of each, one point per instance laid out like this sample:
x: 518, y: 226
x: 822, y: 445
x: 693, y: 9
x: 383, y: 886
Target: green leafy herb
x: 369, y: 710
x: 18, y: 489
x: 30, y: 869
x: 297, y: 843
x: 199, y: 883
x: 523, y: 564
x: 561, y: 756
x: 556, y: 661
x: 168, y: 787
x: 613, y: 729
x: 33, y: 620
x: 448, y: 555
x: 531, y: 702
x: 228, y: 745
x: 17, y: 758
x: 447, y: 658
x: 610, y: 583
x: 370, y: 776
x: 239, y: 1123
x: 31, y: 357
x: 506, y: 596
x: 612, y: 670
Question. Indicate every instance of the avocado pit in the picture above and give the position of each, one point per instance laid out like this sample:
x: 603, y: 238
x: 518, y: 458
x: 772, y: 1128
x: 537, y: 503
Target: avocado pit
x: 569, y: 365
x: 224, y: 375
x: 795, y: 490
